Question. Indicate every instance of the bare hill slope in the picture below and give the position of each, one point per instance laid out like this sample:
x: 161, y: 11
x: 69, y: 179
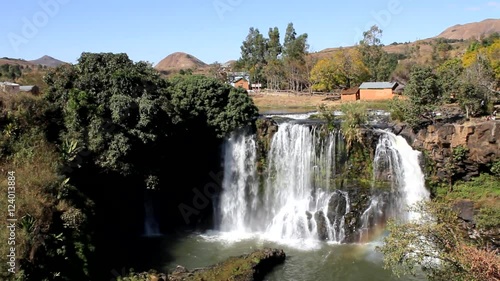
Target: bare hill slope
x: 179, y: 60
x: 471, y: 30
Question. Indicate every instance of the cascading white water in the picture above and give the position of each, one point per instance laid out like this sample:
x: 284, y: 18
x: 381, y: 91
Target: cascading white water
x: 295, y: 200
x: 295, y: 197
x: 240, y: 183
x: 399, y: 163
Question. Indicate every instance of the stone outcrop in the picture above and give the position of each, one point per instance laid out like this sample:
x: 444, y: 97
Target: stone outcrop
x: 481, y: 140
x: 251, y: 267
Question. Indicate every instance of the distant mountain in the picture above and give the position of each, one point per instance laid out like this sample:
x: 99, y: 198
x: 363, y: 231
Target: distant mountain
x: 47, y: 61
x: 471, y: 30
x: 178, y: 61
x: 44, y: 61
x: 6, y: 60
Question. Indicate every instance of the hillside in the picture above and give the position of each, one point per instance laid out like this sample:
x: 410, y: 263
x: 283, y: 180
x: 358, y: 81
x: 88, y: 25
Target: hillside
x: 178, y: 61
x: 12, y: 61
x: 47, y: 61
x: 471, y: 30
x: 458, y: 33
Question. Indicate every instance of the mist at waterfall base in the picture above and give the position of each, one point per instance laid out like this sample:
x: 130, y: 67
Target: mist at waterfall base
x: 297, y: 202
x: 294, y: 204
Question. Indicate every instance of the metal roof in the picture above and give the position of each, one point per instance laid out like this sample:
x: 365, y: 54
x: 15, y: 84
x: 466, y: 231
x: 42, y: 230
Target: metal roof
x: 378, y: 85
x: 239, y: 78
x: 9, y: 84
x: 26, y: 88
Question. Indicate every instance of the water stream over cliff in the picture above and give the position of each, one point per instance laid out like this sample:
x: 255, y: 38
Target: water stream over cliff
x: 296, y: 200
x: 296, y: 196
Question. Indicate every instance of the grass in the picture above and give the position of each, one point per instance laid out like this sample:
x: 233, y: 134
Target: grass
x: 484, y: 191
x: 289, y: 101
x: 35, y: 171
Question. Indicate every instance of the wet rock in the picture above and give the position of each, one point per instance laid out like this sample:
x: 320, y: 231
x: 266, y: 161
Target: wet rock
x: 251, y: 267
x: 321, y: 225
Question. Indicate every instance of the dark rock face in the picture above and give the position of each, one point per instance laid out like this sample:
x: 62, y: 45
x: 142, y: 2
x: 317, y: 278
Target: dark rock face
x: 251, y: 267
x: 321, y: 225
x: 465, y: 210
x: 482, y: 140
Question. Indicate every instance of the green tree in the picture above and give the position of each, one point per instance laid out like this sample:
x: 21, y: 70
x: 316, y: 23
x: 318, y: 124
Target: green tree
x: 472, y: 98
x: 274, y: 47
x: 274, y: 72
x: 111, y: 107
x: 449, y: 76
x: 386, y: 66
x: 344, y: 69
x: 354, y: 118
x: 295, y: 49
x: 253, y: 54
x: 372, y: 53
x: 422, y: 91
x: 123, y: 112
x: 437, y: 245
x: 197, y: 102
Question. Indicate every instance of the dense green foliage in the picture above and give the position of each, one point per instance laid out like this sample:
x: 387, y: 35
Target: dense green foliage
x: 120, y: 112
x: 275, y: 65
x: 52, y: 237
x: 437, y: 246
x: 104, y: 122
x: 353, y: 119
x: 10, y: 72
x: 423, y: 95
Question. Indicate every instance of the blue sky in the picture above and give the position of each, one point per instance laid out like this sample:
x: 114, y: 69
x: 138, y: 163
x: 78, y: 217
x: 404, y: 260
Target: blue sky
x: 213, y: 30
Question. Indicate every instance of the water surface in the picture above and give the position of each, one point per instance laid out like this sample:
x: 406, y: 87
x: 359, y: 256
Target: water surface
x: 306, y: 261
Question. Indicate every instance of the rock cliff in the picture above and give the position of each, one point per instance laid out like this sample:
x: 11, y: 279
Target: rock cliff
x: 478, y: 141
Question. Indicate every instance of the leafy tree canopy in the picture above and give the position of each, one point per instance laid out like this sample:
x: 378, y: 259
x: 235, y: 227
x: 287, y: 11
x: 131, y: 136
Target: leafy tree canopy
x: 121, y: 112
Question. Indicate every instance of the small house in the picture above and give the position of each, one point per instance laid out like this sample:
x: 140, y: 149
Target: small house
x: 9, y: 88
x: 377, y: 90
x: 350, y: 94
x: 241, y: 83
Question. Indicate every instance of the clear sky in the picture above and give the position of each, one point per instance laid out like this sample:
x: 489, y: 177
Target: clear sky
x: 213, y: 30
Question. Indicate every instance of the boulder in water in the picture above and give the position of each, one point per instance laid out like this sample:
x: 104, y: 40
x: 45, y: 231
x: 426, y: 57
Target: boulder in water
x: 251, y: 267
x: 321, y: 226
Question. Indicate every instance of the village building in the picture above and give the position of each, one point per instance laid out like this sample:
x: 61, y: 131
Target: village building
x: 239, y: 79
x: 9, y: 87
x: 241, y: 83
x: 350, y: 94
x: 377, y: 90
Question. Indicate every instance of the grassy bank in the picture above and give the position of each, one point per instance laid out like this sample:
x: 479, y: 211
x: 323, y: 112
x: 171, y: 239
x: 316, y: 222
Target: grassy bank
x: 291, y: 102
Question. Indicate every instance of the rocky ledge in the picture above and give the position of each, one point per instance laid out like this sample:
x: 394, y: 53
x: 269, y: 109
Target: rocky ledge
x: 480, y: 139
x: 251, y: 267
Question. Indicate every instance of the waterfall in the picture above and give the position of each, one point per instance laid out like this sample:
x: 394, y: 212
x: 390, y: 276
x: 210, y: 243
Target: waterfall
x: 151, y: 227
x: 397, y: 162
x: 294, y: 194
x: 296, y: 198
x: 240, y: 183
